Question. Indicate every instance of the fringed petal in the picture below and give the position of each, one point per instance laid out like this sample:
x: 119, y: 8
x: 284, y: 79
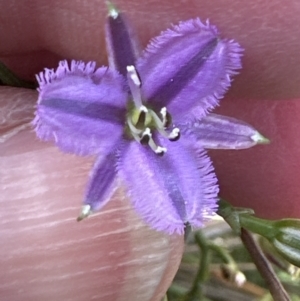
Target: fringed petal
x: 170, y: 191
x: 220, y: 132
x: 80, y: 108
x: 188, y: 69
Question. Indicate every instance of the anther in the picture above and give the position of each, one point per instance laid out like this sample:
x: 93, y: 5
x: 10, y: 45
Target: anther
x: 166, y: 117
x: 163, y: 113
x: 133, y: 75
x: 174, y: 135
x: 146, y: 136
x: 144, y: 109
x: 134, y: 83
x: 160, y: 150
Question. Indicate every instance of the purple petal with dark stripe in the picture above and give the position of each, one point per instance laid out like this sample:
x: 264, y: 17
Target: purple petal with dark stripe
x: 188, y: 69
x: 101, y: 184
x: 220, y: 132
x: 170, y: 191
x: 121, y: 42
x: 80, y: 108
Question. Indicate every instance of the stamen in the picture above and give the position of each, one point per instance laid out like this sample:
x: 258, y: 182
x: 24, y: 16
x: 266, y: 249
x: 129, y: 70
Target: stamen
x: 144, y: 109
x: 163, y: 113
x: 141, y: 120
x: 132, y: 128
x: 134, y: 83
x: 133, y: 75
x: 174, y: 135
x: 159, y: 124
x: 146, y: 136
x: 166, y: 117
x: 160, y: 150
x: 140, y: 124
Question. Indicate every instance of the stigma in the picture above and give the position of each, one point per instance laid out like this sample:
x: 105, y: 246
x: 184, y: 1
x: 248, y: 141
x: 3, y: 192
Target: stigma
x: 142, y: 122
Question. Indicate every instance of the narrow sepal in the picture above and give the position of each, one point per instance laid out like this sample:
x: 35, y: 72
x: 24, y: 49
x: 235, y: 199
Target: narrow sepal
x: 80, y: 108
x: 121, y: 41
x: 220, y: 132
x: 170, y: 190
x: 188, y: 69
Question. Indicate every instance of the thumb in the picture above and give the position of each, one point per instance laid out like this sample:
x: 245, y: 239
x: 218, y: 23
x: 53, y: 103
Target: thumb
x: 45, y: 254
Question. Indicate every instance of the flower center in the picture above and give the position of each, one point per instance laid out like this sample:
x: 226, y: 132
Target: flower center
x: 143, y: 121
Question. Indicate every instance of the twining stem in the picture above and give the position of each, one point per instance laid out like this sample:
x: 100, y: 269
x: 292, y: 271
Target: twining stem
x: 223, y: 254
x: 196, y: 292
x: 264, y: 267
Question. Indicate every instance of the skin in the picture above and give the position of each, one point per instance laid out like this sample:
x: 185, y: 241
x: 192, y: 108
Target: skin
x: 45, y: 254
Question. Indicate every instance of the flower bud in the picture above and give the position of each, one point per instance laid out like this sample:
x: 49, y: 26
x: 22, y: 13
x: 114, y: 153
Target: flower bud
x: 287, y: 239
x: 283, y: 234
x: 275, y: 258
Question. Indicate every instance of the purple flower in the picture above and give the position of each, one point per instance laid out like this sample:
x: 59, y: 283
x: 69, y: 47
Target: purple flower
x: 146, y: 118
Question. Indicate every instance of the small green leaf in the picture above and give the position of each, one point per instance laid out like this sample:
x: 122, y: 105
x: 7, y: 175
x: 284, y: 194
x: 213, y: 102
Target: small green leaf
x: 8, y: 78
